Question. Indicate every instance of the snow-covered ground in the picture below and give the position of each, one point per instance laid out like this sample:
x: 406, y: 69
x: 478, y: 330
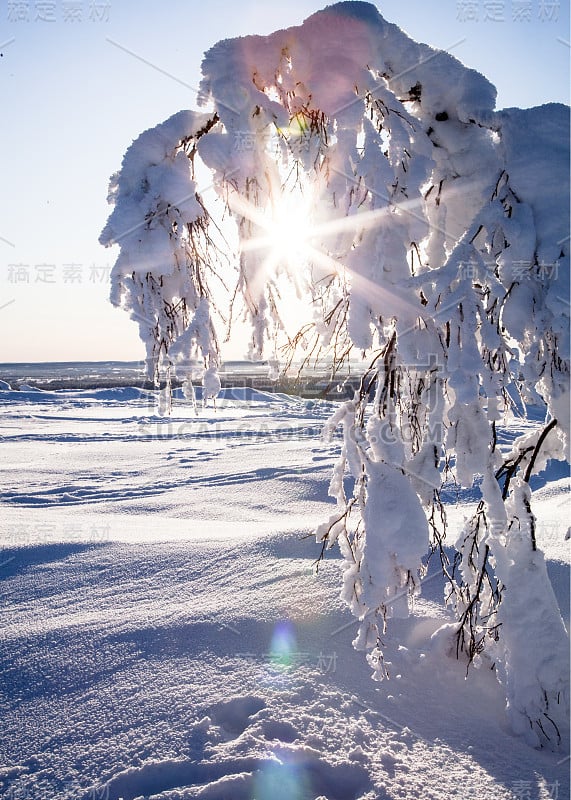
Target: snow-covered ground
x: 165, y: 634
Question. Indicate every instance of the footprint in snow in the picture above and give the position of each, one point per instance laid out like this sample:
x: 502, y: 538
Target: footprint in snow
x: 291, y: 773
x: 233, y: 716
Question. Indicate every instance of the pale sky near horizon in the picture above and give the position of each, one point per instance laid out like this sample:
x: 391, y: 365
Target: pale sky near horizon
x: 74, y: 98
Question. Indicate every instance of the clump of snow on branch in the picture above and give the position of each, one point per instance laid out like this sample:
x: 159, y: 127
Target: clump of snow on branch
x: 162, y: 227
x: 438, y: 249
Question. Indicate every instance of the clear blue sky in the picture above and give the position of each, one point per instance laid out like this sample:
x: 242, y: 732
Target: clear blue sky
x: 73, y: 100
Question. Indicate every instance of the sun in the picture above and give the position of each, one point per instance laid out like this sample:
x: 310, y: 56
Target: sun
x: 285, y: 231
x: 289, y: 230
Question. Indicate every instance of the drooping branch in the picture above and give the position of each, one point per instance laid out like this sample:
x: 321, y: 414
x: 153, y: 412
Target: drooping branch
x: 424, y: 255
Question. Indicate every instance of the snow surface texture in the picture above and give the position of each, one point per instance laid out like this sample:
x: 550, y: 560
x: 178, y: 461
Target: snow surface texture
x: 166, y: 636
x: 431, y: 233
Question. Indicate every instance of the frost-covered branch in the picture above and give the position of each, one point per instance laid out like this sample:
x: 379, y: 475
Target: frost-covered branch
x: 382, y: 206
x: 167, y: 253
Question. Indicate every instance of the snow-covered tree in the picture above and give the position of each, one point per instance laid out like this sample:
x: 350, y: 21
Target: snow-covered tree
x: 371, y: 177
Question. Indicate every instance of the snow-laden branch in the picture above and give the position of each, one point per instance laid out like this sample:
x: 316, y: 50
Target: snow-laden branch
x: 426, y: 231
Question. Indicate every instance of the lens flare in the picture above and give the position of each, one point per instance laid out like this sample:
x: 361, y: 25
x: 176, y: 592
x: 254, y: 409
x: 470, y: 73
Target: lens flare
x: 281, y: 780
x: 283, y: 645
